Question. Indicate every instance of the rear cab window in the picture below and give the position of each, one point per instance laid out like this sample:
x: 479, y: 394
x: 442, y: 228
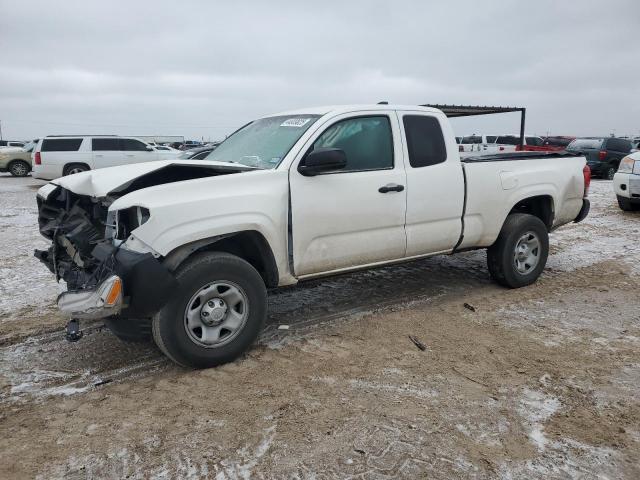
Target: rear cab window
x: 425, y: 141
x: 61, y: 144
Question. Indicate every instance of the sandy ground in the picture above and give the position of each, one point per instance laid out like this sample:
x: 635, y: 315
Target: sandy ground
x: 541, y: 382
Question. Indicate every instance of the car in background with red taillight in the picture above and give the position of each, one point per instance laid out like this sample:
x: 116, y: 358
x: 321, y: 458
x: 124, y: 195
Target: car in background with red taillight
x: 603, y: 154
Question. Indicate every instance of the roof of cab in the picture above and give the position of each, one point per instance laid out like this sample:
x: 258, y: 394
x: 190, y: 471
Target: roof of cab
x: 338, y: 109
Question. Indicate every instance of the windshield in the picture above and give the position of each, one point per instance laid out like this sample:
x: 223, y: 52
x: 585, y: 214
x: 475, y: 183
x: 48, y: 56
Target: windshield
x: 263, y: 143
x: 585, y: 143
x: 28, y: 146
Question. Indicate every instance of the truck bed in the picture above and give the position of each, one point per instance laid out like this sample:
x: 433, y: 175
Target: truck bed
x: 495, y: 183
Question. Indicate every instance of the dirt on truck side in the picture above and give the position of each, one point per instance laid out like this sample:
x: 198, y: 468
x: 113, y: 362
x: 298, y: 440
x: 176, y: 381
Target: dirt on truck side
x: 540, y: 382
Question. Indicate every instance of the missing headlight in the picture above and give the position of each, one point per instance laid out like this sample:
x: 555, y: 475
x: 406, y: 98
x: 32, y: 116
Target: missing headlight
x: 128, y: 220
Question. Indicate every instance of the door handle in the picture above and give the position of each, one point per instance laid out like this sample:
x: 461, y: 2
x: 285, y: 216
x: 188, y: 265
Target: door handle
x: 98, y: 155
x: 130, y: 155
x: 391, y: 187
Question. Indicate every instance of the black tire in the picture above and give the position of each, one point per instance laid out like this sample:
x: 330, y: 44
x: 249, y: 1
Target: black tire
x: 610, y: 172
x: 72, y: 168
x: 19, y: 168
x: 130, y: 330
x: 501, y: 256
x: 626, y: 205
x: 168, y: 325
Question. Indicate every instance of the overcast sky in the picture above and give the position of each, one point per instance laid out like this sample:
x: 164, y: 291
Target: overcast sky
x: 201, y: 69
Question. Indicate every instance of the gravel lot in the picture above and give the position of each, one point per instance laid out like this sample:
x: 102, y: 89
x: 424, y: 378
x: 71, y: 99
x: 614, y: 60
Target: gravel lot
x: 541, y: 382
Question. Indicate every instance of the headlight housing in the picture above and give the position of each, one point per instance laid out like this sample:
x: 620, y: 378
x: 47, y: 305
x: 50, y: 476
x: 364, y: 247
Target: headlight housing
x: 626, y: 165
x: 128, y: 219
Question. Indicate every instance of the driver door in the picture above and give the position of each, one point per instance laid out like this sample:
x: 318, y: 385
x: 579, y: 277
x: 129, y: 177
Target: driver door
x: 350, y: 218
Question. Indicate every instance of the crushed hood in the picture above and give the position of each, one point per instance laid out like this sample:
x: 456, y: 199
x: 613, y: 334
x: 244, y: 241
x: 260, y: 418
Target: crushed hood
x: 102, y: 182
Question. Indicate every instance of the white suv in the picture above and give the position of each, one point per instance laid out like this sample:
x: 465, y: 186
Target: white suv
x: 57, y: 156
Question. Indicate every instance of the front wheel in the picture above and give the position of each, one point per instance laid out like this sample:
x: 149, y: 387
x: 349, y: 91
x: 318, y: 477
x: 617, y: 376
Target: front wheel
x: 520, y: 253
x: 216, y: 313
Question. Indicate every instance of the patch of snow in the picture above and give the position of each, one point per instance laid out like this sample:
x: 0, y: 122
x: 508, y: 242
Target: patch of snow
x: 242, y: 469
x: 403, y: 389
x: 537, y: 408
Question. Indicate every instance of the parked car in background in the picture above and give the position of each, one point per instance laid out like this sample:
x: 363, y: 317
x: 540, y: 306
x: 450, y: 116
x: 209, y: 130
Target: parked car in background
x: 287, y: 198
x: 196, y: 153
x: 557, y: 143
x: 603, y: 154
x: 165, y: 148
x: 190, y: 144
x: 11, y: 143
x: 474, y: 144
x: 57, y: 156
x: 626, y: 183
x: 490, y: 144
x: 511, y: 143
x: 16, y: 161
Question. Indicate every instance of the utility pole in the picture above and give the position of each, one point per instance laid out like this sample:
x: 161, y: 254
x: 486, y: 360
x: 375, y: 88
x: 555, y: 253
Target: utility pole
x: 0, y: 129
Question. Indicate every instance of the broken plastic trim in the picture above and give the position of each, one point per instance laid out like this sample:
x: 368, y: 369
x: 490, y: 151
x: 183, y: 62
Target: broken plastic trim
x: 104, y: 301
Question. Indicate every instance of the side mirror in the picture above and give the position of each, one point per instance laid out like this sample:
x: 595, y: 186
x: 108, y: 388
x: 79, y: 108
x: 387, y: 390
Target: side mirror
x: 322, y: 160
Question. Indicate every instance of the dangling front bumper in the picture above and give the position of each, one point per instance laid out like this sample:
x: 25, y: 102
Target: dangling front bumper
x: 103, y: 301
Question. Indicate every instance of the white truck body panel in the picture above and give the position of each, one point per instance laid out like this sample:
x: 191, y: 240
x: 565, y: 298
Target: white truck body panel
x: 493, y: 188
x: 340, y: 221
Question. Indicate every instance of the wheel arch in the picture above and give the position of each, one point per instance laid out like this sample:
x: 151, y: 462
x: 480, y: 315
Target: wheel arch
x: 250, y: 245
x: 67, y: 166
x: 541, y: 206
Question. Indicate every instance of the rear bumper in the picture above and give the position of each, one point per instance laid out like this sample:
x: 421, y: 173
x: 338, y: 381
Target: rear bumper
x: 584, y: 211
x: 46, y: 172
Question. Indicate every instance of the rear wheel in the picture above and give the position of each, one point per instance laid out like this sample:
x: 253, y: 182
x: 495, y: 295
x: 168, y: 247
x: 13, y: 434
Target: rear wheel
x: 18, y: 168
x: 610, y: 172
x: 74, y: 168
x: 216, y: 313
x: 520, y: 253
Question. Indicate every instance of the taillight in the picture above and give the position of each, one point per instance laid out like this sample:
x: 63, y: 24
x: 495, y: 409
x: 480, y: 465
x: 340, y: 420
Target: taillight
x: 37, y: 159
x: 602, y: 155
x: 519, y: 148
x: 586, y: 173
x: 502, y: 149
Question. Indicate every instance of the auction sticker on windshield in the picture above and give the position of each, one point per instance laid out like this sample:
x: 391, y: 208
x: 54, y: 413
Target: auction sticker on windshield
x: 295, y: 122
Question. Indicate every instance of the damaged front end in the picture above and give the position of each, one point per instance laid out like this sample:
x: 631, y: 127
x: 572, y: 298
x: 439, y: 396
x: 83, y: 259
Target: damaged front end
x: 88, y: 252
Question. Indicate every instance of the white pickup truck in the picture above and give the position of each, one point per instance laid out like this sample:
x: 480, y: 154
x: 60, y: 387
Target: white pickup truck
x: 187, y: 249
